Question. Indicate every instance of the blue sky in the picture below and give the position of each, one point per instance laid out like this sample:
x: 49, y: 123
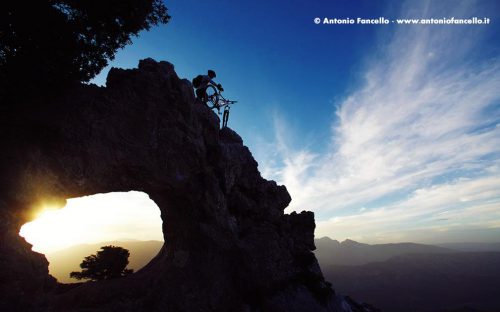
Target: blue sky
x: 387, y: 132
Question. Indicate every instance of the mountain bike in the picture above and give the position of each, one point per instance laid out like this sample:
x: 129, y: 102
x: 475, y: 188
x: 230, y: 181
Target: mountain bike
x: 216, y: 100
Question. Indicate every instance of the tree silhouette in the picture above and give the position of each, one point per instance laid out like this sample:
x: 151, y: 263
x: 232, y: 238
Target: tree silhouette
x: 110, y: 262
x: 46, y: 44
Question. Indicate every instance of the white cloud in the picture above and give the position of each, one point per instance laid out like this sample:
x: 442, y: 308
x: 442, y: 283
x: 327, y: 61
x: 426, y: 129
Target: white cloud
x: 462, y: 205
x: 418, y: 137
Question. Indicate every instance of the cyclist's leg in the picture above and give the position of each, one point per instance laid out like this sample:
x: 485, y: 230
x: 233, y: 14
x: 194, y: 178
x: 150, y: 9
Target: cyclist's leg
x: 205, y: 95
x: 199, y: 94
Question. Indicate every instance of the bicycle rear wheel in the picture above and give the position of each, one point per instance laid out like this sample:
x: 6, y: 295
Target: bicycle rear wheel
x: 213, y: 96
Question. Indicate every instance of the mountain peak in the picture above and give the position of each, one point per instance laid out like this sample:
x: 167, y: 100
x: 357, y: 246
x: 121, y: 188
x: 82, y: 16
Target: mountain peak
x: 349, y: 242
x: 328, y: 240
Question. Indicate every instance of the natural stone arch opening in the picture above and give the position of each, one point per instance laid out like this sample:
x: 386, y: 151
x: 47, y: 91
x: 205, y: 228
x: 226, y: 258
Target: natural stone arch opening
x: 66, y: 235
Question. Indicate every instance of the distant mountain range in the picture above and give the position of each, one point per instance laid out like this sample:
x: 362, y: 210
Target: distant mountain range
x: 62, y: 262
x: 472, y: 246
x: 412, y: 277
x: 349, y: 252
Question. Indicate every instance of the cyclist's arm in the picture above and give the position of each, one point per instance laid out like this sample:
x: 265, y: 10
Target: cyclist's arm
x: 218, y: 85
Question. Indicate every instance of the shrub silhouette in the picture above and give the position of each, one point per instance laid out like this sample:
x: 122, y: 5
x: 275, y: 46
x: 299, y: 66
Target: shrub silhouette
x: 110, y: 262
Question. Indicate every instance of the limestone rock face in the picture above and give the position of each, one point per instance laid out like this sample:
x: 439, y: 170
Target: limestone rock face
x: 229, y: 246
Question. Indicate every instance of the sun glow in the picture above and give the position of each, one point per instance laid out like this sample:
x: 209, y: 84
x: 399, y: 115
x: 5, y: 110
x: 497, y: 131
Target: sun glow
x: 93, y: 219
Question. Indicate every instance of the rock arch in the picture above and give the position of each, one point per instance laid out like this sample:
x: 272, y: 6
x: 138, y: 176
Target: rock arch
x: 231, y: 247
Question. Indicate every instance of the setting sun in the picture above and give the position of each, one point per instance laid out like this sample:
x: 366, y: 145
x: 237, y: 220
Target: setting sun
x: 93, y: 219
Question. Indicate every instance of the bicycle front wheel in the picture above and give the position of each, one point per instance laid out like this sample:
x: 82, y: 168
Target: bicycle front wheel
x: 213, y: 96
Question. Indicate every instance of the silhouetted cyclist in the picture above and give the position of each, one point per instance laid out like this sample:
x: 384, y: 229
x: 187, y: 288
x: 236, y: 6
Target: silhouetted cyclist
x: 201, y: 83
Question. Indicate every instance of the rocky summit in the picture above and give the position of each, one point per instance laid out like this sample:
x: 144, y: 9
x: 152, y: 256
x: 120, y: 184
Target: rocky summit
x: 228, y: 244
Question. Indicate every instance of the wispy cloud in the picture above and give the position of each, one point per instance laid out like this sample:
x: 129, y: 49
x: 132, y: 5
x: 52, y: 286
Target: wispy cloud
x: 418, y: 142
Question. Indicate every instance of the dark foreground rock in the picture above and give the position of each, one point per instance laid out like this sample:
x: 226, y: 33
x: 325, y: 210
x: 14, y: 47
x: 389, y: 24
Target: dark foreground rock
x: 229, y: 246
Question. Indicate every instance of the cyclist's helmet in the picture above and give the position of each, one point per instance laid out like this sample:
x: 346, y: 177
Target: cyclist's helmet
x: 211, y: 73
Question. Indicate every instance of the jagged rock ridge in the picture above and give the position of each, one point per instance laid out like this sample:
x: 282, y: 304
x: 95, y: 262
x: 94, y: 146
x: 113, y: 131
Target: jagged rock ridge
x: 229, y: 246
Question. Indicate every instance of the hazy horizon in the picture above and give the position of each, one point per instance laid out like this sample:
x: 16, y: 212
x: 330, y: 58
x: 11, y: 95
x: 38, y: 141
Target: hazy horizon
x: 120, y: 240
x: 64, y: 261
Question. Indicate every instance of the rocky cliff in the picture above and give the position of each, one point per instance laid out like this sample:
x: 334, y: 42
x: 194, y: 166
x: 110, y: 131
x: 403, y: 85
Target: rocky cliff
x: 229, y: 246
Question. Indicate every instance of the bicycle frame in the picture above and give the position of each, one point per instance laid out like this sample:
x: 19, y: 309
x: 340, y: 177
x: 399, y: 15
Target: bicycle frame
x: 220, y: 102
